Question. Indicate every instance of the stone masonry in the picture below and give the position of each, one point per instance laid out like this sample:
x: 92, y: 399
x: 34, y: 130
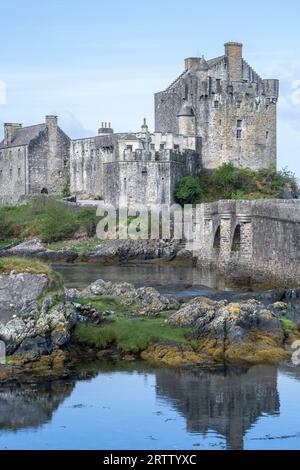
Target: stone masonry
x: 33, y: 160
x: 228, y: 104
x: 216, y: 111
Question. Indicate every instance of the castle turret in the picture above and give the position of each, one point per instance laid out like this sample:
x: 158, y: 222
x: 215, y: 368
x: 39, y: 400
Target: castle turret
x: 186, y: 119
x: 234, y: 58
x: 105, y: 129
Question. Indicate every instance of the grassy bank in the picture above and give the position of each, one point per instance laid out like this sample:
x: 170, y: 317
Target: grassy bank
x: 131, y: 334
x: 23, y: 265
x: 49, y: 219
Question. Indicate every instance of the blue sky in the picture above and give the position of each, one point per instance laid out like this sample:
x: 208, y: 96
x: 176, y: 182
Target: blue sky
x: 91, y: 60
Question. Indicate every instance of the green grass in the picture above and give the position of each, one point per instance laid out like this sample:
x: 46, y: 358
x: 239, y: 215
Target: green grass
x: 131, y: 334
x: 48, y: 218
x: 77, y: 247
x: 21, y: 265
x: 104, y: 303
x: 287, y: 325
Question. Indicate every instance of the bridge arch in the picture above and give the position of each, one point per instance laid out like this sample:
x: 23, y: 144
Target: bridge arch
x: 217, y: 239
x: 236, y: 239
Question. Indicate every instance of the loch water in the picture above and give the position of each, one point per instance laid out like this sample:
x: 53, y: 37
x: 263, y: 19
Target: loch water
x: 106, y: 405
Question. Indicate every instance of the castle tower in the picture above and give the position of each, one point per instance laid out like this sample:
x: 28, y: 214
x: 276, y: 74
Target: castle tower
x: 186, y: 119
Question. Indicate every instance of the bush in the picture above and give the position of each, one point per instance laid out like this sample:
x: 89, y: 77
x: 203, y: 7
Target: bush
x: 188, y: 191
x: 58, y: 222
x: 46, y: 218
x: 229, y: 182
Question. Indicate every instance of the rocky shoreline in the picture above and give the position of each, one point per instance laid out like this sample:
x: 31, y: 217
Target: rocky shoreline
x: 47, y: 328
x: 103, y: 252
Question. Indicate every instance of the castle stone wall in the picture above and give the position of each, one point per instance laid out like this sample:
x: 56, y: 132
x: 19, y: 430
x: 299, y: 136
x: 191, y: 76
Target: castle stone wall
x: 13, y: 174
x: 235, y: 110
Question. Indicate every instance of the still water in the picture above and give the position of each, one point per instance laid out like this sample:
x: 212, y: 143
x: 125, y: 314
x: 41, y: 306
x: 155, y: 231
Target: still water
x: 178, y: 280
x: 135, y: 406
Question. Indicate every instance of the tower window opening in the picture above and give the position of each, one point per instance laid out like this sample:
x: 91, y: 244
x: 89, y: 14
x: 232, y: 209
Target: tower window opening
x: 239, y: 129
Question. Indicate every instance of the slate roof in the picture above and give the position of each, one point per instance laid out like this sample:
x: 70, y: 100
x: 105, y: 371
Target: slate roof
x: 211, y: 63
x: 24, y: 135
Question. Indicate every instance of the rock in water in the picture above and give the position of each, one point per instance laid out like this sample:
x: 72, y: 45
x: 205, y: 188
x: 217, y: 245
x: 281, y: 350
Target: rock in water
x: 32, y: 320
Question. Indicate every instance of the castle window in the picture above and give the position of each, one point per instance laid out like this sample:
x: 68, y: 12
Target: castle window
x: 219, y: 89
x: 220, y: 122
x: 10, y: 172
x: 19, y: 172
x: 267, y: 135
x: 129, y: 147
x: 238, y: 104
x: 60, y: 174
x: 176, y: 147
x: 162, y: 146
x: 144, y: 171
x: 216, y: 104
x: 239, y: 129
x: 152, y: 146
x: 1, y: 174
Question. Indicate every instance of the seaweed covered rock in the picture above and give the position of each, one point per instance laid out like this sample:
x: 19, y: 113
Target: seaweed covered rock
x: 244, y: 332
x: 223, y: 319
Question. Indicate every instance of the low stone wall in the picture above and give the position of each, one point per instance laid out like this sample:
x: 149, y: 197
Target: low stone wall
x: 258, y: 240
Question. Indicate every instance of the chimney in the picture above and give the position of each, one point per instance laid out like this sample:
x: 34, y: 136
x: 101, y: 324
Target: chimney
x: 51, y: 121
x: 234, y: 57
x: 105, y: 129
x: 9, y: 130
x: 190, y: 62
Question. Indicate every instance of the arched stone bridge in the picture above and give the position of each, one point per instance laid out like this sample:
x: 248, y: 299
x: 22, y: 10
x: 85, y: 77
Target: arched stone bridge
x: 262, y: 236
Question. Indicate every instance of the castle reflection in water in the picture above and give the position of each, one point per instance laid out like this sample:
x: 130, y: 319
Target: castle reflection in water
x: 227, y: 401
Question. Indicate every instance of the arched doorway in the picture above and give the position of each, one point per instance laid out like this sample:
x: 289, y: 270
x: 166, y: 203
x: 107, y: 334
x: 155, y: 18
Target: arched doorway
x: 44, y: 191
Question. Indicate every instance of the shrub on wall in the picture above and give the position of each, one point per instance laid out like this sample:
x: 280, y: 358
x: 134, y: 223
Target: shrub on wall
x: 229, y: 182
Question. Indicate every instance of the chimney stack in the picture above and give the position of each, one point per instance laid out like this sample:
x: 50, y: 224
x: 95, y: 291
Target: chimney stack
x: 234, y: 57
x: 105, y: 128
x: 51, y: 120
x: 191, y: 62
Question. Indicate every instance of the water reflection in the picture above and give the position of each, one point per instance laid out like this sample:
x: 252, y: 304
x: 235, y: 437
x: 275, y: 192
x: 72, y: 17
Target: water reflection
x: 221, y: 403
x: 31, y: 405
x: 174, y: 279
x: 228, y: 402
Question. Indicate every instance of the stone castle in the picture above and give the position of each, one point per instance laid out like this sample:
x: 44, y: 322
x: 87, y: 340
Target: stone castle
x: 216, y: 111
